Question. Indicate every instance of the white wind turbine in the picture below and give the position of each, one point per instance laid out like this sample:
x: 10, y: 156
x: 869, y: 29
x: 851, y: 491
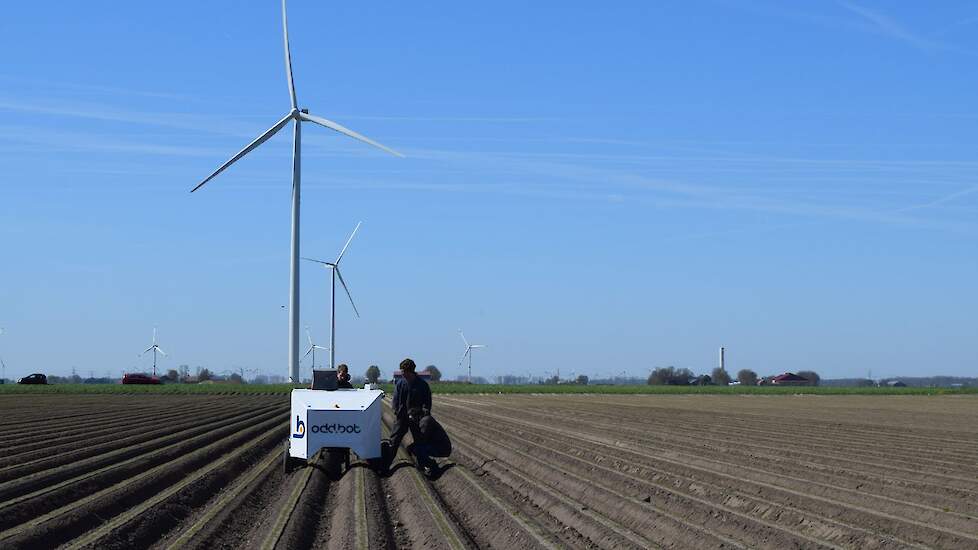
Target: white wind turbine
x: 468, y: 352
x: 298, y: 116
x: 312, y: 348
x: 334, y: 267
x: 155, y: 349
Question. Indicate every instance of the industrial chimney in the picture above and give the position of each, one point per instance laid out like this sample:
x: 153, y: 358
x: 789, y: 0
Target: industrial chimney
x: 721, y: 357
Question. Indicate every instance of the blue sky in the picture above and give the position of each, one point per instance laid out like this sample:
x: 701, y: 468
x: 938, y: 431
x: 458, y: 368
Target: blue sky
x: 595, y: 188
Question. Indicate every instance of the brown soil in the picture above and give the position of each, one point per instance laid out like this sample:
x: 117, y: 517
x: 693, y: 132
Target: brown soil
x: 528, y: 471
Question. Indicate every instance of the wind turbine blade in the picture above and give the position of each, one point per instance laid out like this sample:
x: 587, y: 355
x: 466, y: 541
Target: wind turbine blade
x: 147, y: 350
x: 347, y: 132
x: 464, y: 355
x: 347, y: 245
x: 159, y: 349
x: 154, y: 336
x: 309, y: 336
x: 258, y: 141
x: 307, y: 352
x: 473, y: 346
x: 317, y: 261
x: 463, y: 338
x: 348, y: 295
x: 288, y: 56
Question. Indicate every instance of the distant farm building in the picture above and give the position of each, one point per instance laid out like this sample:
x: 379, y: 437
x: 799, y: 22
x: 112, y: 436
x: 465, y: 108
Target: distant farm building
x: 422, y: 374
x: 790, y: 379
x: 896, y: 384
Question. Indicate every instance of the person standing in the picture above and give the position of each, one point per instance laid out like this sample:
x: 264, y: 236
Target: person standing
x: 410, y: 393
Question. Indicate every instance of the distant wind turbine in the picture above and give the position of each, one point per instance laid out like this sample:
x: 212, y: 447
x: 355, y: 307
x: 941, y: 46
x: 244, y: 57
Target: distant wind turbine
x: 334, y: 267
x: 468, y: 352
x: 298, y: 116
x: 155, y: 349
x: 312, y: 348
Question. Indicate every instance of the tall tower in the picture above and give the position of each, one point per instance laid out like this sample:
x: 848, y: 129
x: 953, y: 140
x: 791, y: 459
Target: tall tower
x: 722, y: 350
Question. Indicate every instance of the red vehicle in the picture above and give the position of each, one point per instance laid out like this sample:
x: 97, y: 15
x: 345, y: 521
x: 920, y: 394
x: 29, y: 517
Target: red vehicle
x: 139, y: 378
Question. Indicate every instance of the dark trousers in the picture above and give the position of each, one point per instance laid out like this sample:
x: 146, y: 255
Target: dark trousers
x: 401, y: 427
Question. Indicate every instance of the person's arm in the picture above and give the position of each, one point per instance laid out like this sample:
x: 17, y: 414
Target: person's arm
x: 395, y: 402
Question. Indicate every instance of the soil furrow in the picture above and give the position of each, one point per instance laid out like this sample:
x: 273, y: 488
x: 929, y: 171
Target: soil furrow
x: 141, y: 525
x: 94, y: 456
x: 69, y: 521
x: 942, y: 536
x: 716, y: 519
x: 630, y: 471
x: 94, y: 473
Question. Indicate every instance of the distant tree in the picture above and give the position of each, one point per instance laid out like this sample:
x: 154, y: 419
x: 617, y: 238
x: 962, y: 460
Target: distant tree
x: 261, y: 379
x: 811, y: 376
x: 373, y: 374
x: 683, y: 377
x: 661, y: 376
x: 435, y: 373
x: 582, y: 379
x: 204, y: 375
x: 235, y: 378
x: 720, y: 376
x: 670, y: 376
x: 171, y: 376
x: 747, y: 377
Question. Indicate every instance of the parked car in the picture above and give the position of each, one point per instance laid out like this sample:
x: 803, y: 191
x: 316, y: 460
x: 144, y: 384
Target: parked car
x: 36, y: 378
x: 139, y: 378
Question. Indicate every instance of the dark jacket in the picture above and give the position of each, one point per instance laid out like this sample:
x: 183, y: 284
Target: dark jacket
x: 408, y: 395
x: 433, y: 435
x: 343, y: 384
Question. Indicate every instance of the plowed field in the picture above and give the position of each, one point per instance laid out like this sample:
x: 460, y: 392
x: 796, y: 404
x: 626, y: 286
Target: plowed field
x: 584, y: 471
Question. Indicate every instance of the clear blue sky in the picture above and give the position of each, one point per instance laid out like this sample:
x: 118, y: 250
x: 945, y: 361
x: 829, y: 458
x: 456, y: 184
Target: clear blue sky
x: 599, y: 187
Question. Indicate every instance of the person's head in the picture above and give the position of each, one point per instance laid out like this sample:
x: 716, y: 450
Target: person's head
x: 407, y: 369
x: 343, y: 372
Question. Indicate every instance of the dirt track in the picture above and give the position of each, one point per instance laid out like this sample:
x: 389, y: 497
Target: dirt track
x: 528, y: 472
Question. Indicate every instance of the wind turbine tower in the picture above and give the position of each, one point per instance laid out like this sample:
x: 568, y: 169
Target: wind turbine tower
x: 334, y: 268
x: 468, y: 352
x: 155, y: 349
x: 722, y: 358
x: 297, y: 116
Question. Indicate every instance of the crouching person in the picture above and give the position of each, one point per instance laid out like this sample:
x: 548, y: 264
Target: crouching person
x: 429, y: 441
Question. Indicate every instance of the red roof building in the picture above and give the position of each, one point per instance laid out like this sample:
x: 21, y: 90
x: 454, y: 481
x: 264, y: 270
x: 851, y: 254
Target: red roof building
x: 423, y: 374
